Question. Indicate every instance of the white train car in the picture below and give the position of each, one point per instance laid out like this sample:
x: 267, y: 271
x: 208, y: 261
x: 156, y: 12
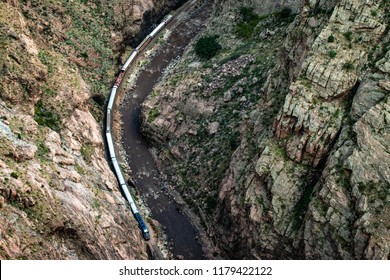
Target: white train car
x: 108, y: 121
x: 143, y: 44
x: 129, y: 60
x: 112, y: 98
x: 157, y: 29
x: 110, y: 145
x: 118, y: 171
x: 167, y: 19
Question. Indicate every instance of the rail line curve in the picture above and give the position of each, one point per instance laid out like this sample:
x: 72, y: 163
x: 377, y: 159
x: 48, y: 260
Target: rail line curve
x: 110, y: 144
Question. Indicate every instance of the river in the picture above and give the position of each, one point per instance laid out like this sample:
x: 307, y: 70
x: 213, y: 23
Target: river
x: 181, y: 234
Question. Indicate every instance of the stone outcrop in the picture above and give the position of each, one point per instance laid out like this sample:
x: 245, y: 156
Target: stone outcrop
x: 321, y: 193
x: 313, y: 111
x: 354, y: 195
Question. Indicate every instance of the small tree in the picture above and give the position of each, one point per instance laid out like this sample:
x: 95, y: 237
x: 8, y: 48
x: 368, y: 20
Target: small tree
x: 285, y: 13
x: 207, y: 47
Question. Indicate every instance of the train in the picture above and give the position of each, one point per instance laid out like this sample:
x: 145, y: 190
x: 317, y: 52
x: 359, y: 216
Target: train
x: 110, y: 143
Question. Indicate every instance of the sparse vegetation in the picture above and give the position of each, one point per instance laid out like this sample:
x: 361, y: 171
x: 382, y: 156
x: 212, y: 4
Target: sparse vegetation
x: 87, y: 151
x: 42, y: 151
x: 95, y: 203
x: 153, y: 114
x: 46, y: 59
x: 45, y: 117
x: 14, y: 175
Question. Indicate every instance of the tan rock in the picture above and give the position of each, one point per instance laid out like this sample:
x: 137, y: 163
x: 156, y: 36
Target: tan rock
x: 2, y: 201
x: 212, y: 128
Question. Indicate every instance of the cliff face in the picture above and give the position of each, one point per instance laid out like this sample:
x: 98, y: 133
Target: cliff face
x: 309, y: 183
x: 58, y: 196
x: 310, y: 175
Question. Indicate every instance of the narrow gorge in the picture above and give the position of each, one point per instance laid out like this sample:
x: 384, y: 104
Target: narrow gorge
x: 268, y: 124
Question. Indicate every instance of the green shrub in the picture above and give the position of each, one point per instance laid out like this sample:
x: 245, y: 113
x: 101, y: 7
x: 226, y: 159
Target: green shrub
x: 207, y: 47
x: 153, y: 114
x: 248, y: 15
x: 331, y: 38
x: 332, y: 53
x: 15, y: 175
x: 285, y: 13
x: 348, y: 35
x: 348, y: 66
x: 249, y: 20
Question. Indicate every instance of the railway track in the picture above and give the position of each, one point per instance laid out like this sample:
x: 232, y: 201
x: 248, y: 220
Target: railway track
x: 170, y: 21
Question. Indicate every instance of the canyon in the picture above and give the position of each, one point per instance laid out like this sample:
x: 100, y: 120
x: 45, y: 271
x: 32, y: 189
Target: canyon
x: 276, y: 144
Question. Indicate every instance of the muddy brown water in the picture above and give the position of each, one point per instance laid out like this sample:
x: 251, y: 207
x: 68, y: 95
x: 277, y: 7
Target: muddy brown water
x: 180, y: 232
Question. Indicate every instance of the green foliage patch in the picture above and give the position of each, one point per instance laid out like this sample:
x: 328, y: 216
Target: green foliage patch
x: 153, y: 114
x: 332, y: 53
x: 331, y: 38
x: 246, y: 26
x: 207, y: 47
x: 45, y: 117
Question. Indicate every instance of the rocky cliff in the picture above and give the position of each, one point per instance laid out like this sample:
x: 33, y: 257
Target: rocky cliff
x: 282, y: 139
x: 58, y: 196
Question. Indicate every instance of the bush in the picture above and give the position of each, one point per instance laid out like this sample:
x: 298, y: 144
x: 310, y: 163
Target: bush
x: 245, y: 27
x: 332, y: 53
x: 348, y: 35
x: 331, y: 38
x: 207, y: 47
x: 285, y: 13
x: 348, y: 66
x: 248, y: 15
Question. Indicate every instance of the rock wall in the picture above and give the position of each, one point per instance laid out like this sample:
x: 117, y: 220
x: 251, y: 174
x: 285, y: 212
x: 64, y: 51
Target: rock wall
x: 301, y: 202
x: 58, y: 197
